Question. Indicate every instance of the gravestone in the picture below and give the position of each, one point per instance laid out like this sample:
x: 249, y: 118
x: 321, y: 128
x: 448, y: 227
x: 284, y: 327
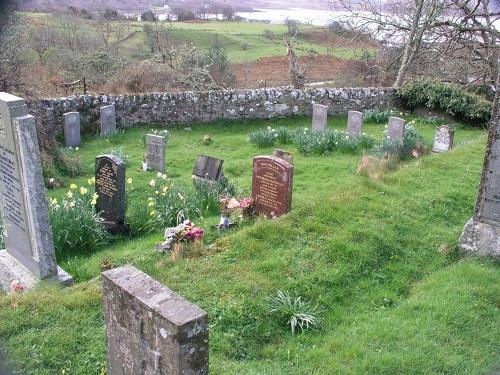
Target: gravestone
x: 110, y: 188
x: 354, y: 123
x: 396, y: 129
x: 481, y: 234
x: 272, y: 183
x: 150, y: 329
x: 285, y: 155
x: 72, y: 129
x: 443, y: 139
x: 155, y: 156
x: 320, y: 115
x: 29, y: 254
x: 207, y: 168
x: 108, y: 120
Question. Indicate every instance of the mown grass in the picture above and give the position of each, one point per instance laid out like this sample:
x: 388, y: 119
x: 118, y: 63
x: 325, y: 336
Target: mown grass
x: 366, y: 252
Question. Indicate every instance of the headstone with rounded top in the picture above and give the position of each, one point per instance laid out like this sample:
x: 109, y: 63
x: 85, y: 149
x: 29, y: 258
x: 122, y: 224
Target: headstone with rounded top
x: 354, y: 123
x: 320, y: 116
x: 72, y: 137
x: 155, y: 156
x: 443, y: 139
x: 396, y: 128
x: 108, y: 120
x: 272, y: 183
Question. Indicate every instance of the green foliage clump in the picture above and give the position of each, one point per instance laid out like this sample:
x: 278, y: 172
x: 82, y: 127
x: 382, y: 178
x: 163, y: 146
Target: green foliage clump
x: 263, y: 138
x: 120, y: 153
x: 296, y: 312
x: 378, y: 116
x: 76, y: 226
x: 452, y: 99
x: 207, y: 194
x: 412, y: 141
x: 67, y: 163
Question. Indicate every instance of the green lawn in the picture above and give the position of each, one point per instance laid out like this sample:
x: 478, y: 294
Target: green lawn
x: 365, y: 251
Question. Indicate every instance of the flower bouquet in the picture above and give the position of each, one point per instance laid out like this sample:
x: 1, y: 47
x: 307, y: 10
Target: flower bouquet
x: 232, y: 209
x: 176, y: 237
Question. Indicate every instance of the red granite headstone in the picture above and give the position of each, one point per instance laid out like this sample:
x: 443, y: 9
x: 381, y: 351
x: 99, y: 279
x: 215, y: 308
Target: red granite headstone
x: 272, y: 183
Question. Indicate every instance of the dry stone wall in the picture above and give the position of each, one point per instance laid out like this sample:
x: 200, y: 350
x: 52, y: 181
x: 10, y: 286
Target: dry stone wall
x: 188, y: 107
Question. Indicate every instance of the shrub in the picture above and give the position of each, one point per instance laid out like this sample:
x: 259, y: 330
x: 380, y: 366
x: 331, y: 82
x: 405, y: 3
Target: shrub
x: 377, y: 116
x: 76, y: 226
x: 452, y: 99
x: 284, y: 135
x: 67, y: 163
x: 295, y: 312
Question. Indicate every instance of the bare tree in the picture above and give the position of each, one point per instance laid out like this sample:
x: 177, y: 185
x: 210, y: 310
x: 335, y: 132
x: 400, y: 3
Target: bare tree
x: 297, y: 74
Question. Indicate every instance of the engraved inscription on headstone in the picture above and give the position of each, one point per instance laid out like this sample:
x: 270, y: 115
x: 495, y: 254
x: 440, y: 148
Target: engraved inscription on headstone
x: 272, y: 183
x: 396, y: 129
x: 72, y: 129
x: 208, y: 168
x: 285, y: 155
x: 354, y: 123
x: 110, y: 187
x: 108, y: 120
x: 150, y: 329
x: 29, y: 254
x: 443, y: 139
x: 320, y: 115
x: 155, y: 156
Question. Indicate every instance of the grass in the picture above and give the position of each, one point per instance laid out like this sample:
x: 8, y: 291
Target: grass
x: 367, y: 253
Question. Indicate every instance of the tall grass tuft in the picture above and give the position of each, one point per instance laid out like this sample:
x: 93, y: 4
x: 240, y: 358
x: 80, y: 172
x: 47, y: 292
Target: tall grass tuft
x: 207, y: 194
x: 76, y: 226
x: 296, y: 312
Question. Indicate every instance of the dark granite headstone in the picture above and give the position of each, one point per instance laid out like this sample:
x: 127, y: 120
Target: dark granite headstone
x: 110, y: 188
x: 155, y: 156
x: 354, y: 123
x: 150, y: 329
x: 208, y: 168
x: 285, y: 155
x: 272, y: 183
x: 72, y: 129
x: 29, y: 254
x: 396, y: 129
x: 443, y: 139
x: 108, y: 120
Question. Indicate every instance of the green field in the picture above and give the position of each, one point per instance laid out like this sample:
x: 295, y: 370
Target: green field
x: 378, y: 257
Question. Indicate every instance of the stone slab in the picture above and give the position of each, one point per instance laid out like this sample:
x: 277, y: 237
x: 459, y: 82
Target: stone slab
x: 354, y: 123
x: 155, y: 156
x: 72, y: 136
x: 150, y: 329
x: 443, y: 139
x: 320, y: 117
x: 108, y: 120
x: 480, y: 238
x: 208, y: 168
x: 110, y: 187
x: 396, y: 128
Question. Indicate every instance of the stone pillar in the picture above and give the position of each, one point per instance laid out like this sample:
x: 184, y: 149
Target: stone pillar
x: 150, y: 329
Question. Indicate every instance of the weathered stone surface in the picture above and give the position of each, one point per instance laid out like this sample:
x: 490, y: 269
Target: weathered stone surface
x: 272, y: 183
x: 480, y: 238
x: 28, y: 235
x: 208, y: 168
x: 443, y: 139
x: 108, y: 120
x: 320, y: 116
x: 72, y: 137
x: 188, y: 107
x: 285, y: 155
x: 396, y: 129
x: 354, y: 123
x: 110, y: 187
x: 155, y: 156
x: 150, y: 329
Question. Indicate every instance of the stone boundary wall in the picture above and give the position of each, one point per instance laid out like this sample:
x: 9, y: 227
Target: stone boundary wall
x: 189, y: 107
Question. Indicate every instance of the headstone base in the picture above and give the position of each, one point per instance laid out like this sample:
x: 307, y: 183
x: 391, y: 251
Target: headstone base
x: 480, y: 238
x: 116, y: 228
x: 11, y: 269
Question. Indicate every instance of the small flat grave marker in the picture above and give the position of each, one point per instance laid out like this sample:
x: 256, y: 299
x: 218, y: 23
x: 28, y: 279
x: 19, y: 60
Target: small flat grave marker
x: 354, y: 123
x: 443, y: 139
x: 110, y: 188
x: 72, y: 136
x: 108, y: 120
x: 320, y: 115
x: 208, y: 168
x: 272, y: 183
x: 155, y: 156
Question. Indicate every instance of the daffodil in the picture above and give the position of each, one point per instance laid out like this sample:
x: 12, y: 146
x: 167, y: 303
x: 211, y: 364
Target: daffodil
x: 73, y: 186
x: 152, y: 213
x: 90, y: 181
x: 83, y: 191
x: 93, y: 202
x: 69, y: 194
x: 164, y: 176
x: 72, y: 204
x: 151, y: 204
x: 158, y: 175
x: 152, y: 183
x: 165, y: 188
x: 129, y: 180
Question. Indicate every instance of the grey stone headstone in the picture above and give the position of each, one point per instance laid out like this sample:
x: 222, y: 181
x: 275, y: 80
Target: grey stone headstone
x: 155, y: 156
x: 110, y: 187
x: 396, y: 129
x: 29, y: 254
x: 150, y: 329
x: 443, y: 139
x: 208, y: 168
x: 108, y: 120
x: 285, y: 155
x: 72, y: 129
x: 354, y: 123
x: 320, y: 115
